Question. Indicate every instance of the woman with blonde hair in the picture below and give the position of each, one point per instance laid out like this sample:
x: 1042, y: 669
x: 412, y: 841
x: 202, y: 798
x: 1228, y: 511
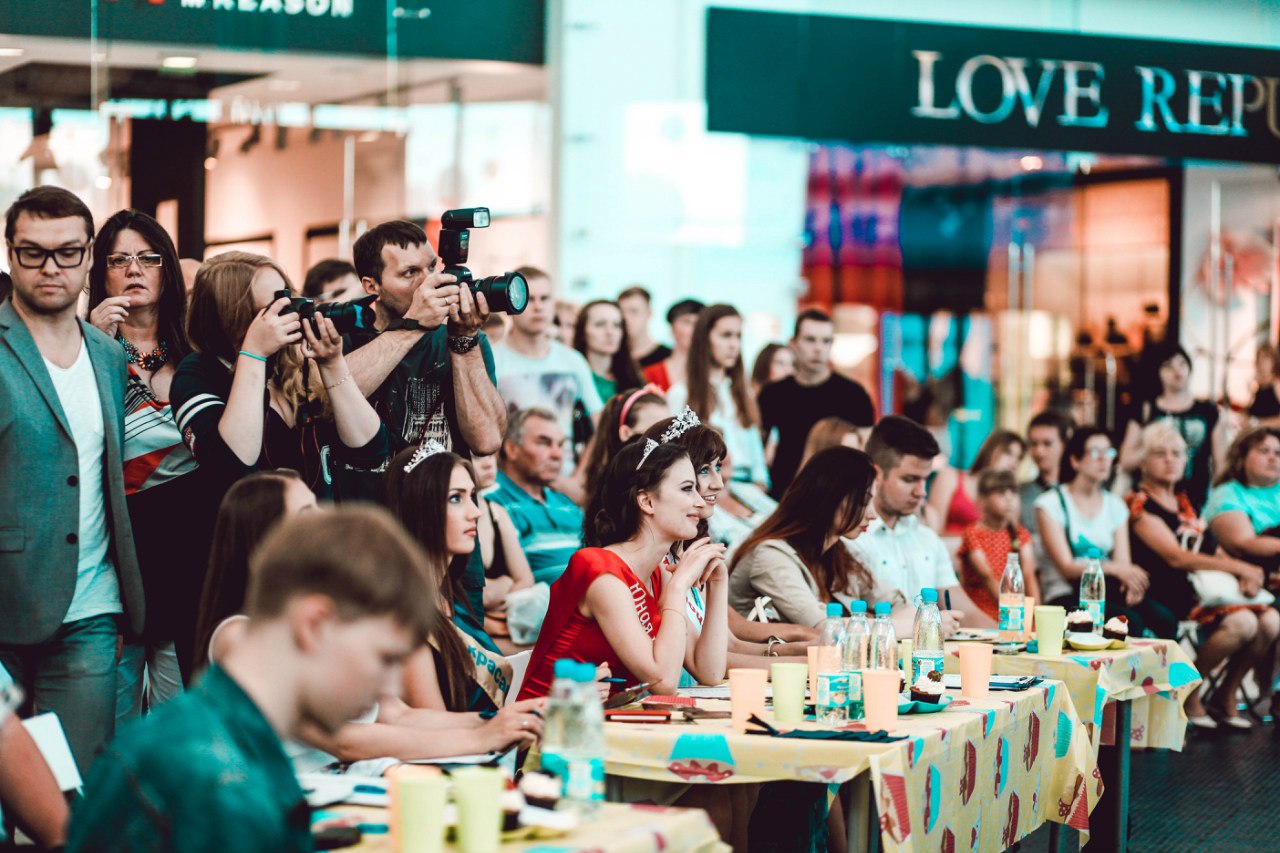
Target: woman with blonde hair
x: 264, y: 390
x: 1171, y: 543
x: 830, y: 432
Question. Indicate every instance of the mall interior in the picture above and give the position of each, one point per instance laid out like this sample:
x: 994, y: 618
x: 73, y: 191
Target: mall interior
x: 1002, y: 257
x: 999, y: 203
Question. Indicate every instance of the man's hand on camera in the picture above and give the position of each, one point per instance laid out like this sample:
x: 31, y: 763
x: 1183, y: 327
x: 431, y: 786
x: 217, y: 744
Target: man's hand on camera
x: 432, y: 300
x: 467, y: 317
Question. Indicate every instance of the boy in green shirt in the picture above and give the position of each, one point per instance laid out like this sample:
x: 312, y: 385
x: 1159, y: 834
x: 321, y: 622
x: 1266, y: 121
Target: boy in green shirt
x: 337, y: 600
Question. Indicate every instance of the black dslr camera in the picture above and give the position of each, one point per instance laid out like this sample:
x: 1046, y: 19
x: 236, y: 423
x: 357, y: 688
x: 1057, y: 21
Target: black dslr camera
x: 347, y: 317
x: 507, y: 293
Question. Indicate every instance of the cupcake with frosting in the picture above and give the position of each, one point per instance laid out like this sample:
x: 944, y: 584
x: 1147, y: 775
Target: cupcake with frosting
x: 928, y: 687
x: 1116, y: 628
x: 1079, y: 622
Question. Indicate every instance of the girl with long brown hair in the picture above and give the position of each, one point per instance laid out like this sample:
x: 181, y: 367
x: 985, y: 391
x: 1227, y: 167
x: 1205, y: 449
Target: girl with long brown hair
x: 798, y: 556
x: 717, y: 389
x: 601, y: 336
x: 263, y: 390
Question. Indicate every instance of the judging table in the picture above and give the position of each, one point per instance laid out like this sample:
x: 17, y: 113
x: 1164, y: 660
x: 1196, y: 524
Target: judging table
x: 618, y: 828
x: 1138, y: 690
x: 979, y: 775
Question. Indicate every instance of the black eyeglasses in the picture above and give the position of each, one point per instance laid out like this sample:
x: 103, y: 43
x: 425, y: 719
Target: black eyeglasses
x: 33, y: 257
x: 144, y: 259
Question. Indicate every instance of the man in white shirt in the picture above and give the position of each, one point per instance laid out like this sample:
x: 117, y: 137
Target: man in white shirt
x: 66, y: 546
x: 536, y: 371
x: 898, y: 547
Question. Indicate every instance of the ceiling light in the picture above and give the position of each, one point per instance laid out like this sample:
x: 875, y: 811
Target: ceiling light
x: 12, y: 51
x: 102, y: 182
x: 1032, y: 163
x: 178, y: 62
x: 210, y: 163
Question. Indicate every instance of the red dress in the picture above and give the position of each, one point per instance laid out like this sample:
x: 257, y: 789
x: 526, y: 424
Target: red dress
x: 566, y: 633
x: 995, y: 546
x: 656, y: 374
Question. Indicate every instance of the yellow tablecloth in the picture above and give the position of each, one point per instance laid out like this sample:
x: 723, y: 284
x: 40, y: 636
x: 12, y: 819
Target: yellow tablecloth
x: 978, y: 776
x: 1155, y: 676
x: 619, y: 828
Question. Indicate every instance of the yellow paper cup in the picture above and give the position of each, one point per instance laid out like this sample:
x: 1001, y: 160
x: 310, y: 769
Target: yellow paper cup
x: 975, y: 669
x: 746, y: 696
x: 419, y: 818
x: 1051, y: 621
x: 788, y: 691
x: 880, y: 698
x: 478, y: 793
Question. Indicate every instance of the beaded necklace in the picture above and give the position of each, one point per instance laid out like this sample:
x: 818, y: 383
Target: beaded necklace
x: 152, y: 361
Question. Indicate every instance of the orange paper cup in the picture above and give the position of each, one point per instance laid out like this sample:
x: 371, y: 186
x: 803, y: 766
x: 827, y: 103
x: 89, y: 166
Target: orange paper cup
x: 880, y: 698
x: 975, y: 669
x: 746, y: 696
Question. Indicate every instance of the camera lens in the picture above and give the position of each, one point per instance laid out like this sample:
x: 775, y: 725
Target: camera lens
x: 507, y: 293
x: 348, y: 317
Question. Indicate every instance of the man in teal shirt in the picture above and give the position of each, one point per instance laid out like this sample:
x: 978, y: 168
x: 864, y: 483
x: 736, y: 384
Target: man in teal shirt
x: 549, y: 524
x: 337, y: 600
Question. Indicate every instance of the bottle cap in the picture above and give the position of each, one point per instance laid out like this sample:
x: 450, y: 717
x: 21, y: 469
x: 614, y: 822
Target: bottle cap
x: 929, y: 595
x: 858, y: 606
x: 585, y: 673
x: 1094, y: 554
x: 883, y: 608
x: 565, y: 668
x: 834, y: 609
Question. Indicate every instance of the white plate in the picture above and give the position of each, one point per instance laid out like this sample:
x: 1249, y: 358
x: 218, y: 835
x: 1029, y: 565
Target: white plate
x: 1088, y: 642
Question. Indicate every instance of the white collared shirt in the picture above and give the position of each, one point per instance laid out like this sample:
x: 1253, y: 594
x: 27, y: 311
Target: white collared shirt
x: 907, y: 556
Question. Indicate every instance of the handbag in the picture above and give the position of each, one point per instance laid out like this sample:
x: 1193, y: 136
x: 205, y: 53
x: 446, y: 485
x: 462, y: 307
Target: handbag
x: 1221, y: 589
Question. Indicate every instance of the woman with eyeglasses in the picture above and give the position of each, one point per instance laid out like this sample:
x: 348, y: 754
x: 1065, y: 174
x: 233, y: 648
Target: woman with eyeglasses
x: 136, y: 295
x: 1079, y: 515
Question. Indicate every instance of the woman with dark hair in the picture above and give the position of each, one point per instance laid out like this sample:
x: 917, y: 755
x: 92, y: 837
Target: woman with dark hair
x: 799, y: 558
x: 623, y: 417
x: 1265, y: 406
x: 1078, y: 516
x: 601, y: 336
x: 773, y: 363
x: 250, y: 398
x: 716, y: 388
x: 614, y: 605
x: 432, y: 492
x: 1165, y: 388
x: 136, y: 296
x: 952, y: 497
x: 750, y: 643
x: 251, y: 507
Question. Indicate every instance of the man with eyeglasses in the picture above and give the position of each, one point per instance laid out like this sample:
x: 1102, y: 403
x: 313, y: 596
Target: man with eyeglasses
x: 66, y: 548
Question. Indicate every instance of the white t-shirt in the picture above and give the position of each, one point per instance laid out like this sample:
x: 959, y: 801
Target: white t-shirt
x: 97, y: 590
x: 1085, y: 533
x: 555, y: 382
x: 908, y: 556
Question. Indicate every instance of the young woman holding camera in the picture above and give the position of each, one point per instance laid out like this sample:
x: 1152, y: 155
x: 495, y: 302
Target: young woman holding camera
x: 264, y: 389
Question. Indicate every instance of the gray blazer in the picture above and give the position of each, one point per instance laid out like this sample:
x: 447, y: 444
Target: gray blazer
x: 39, y: 486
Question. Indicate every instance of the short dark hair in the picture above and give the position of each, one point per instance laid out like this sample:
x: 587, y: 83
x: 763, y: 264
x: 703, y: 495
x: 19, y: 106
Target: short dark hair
x: 683, y: 307
x: 1076, y: 446
x: 367, y: 250
x: 636, y: 290
x: 322, y: 274
x: 1053, y: 418
x: 612, y: 514
x: 817, y: 315
x: 48, y: 202
x: 895, y: 437
x: 1153, y: 358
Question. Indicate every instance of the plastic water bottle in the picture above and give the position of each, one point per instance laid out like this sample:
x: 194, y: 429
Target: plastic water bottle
x: 855, y: 655
x: 831, y: 638
x: 831, y: 705
x: 1093, y: 589
x: 926, y: 639
x: 1013, y: 603
x: 884, y: 643
x: 573, y: 736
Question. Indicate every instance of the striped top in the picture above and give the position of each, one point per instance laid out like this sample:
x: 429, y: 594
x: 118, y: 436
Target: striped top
x: 154, y: 452
x: 550, y: 529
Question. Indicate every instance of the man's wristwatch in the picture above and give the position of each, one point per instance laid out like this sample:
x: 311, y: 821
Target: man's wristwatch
x: 463, y: 344
x: 407, y: 324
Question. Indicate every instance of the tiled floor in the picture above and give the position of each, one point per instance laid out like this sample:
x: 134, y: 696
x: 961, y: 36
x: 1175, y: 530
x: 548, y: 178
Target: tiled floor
x: 1221, y: 794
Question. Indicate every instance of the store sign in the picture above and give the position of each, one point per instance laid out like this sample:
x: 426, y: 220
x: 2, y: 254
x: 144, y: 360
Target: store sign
x: 504, y: 30
x: 829, y: 78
